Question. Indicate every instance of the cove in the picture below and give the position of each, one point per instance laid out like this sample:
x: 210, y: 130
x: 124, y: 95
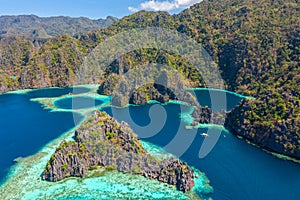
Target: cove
x: 76, y: 103
x: 236, y: 170
x: 24, y: 181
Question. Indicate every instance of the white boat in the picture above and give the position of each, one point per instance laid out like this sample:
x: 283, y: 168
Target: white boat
x: 204, y: 134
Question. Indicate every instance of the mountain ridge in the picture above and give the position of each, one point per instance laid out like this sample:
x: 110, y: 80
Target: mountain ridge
x: 33, y: 26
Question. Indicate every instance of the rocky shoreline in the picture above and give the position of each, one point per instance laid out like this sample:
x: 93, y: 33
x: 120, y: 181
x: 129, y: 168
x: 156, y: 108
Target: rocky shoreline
x: 278, y: 138
x: 103, y: 142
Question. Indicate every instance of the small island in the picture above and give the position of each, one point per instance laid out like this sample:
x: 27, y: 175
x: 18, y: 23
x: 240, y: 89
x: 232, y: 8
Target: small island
x: 101, y: 141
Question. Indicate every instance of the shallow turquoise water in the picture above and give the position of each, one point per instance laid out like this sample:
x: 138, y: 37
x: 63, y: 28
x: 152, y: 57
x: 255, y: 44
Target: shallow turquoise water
x: 75, y: 103
x: 23, y: 181
x: 236, y: 170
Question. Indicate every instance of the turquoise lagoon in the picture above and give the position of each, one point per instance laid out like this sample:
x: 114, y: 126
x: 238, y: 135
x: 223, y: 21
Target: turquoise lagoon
x: 21, y: 174
x: 34, y: 122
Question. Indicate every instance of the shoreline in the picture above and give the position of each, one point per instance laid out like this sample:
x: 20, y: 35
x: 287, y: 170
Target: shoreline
x: 24, y: 175
x: 184, y: 116
x: 221, y: 90
x: 277, y: 155
x: 19, y: 167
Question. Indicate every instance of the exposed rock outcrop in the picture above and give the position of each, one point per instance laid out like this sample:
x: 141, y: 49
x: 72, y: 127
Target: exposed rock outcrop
x: 159, y: 85
x: 68, y: 160
x: 152, y: 92
x: 102, y: 141
x: 205, y: 115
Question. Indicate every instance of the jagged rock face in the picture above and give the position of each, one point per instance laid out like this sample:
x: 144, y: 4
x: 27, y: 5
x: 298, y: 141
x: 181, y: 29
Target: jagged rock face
x: 278, y: 138
x: 102, y: 141
x: 107, y: 86
x: 162, y: 94
x: 69, y: 160
x: 205, y: 115
x: 159, y: 85
x: 139, y: 96
x: 175, y: 173
x: 152, y: 92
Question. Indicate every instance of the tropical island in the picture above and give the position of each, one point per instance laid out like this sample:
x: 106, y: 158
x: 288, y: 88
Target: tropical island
x: 103, y: 142
x: 255, y: 46
x: 238, y: 35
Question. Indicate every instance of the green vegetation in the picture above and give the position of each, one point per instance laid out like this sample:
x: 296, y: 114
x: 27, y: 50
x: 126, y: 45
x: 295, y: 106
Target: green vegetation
x: 64, y: 144
x: 111, y: 168
x: 94, y: 167
x: 82, y: 148
x: 97, y: 172
x: 123, y: 153
x: 136, y: 170
x: 65, y: 166
x: 255, y: 44
x: 110, y: 135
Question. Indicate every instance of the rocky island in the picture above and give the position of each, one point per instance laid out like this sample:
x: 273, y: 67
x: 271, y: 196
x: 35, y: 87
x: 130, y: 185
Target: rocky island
x: 103, y: 142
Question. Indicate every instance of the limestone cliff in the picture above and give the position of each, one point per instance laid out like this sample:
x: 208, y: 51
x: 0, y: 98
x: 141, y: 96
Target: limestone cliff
x: 103, y: 142
x: 276, y: 136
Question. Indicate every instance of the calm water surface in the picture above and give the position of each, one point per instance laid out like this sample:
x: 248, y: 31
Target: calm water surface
x: 236, y: 170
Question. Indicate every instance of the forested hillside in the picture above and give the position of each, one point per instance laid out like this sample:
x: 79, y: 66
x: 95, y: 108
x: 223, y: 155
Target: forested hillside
x: 256, y: 45
x: 44, y: 27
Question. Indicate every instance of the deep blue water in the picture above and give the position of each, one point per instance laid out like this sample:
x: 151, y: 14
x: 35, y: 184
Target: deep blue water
x: 236, y: 170
x: 25, y: 126
x: 56, y: 92
x: 76, y: 103
x: 220, y: 99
